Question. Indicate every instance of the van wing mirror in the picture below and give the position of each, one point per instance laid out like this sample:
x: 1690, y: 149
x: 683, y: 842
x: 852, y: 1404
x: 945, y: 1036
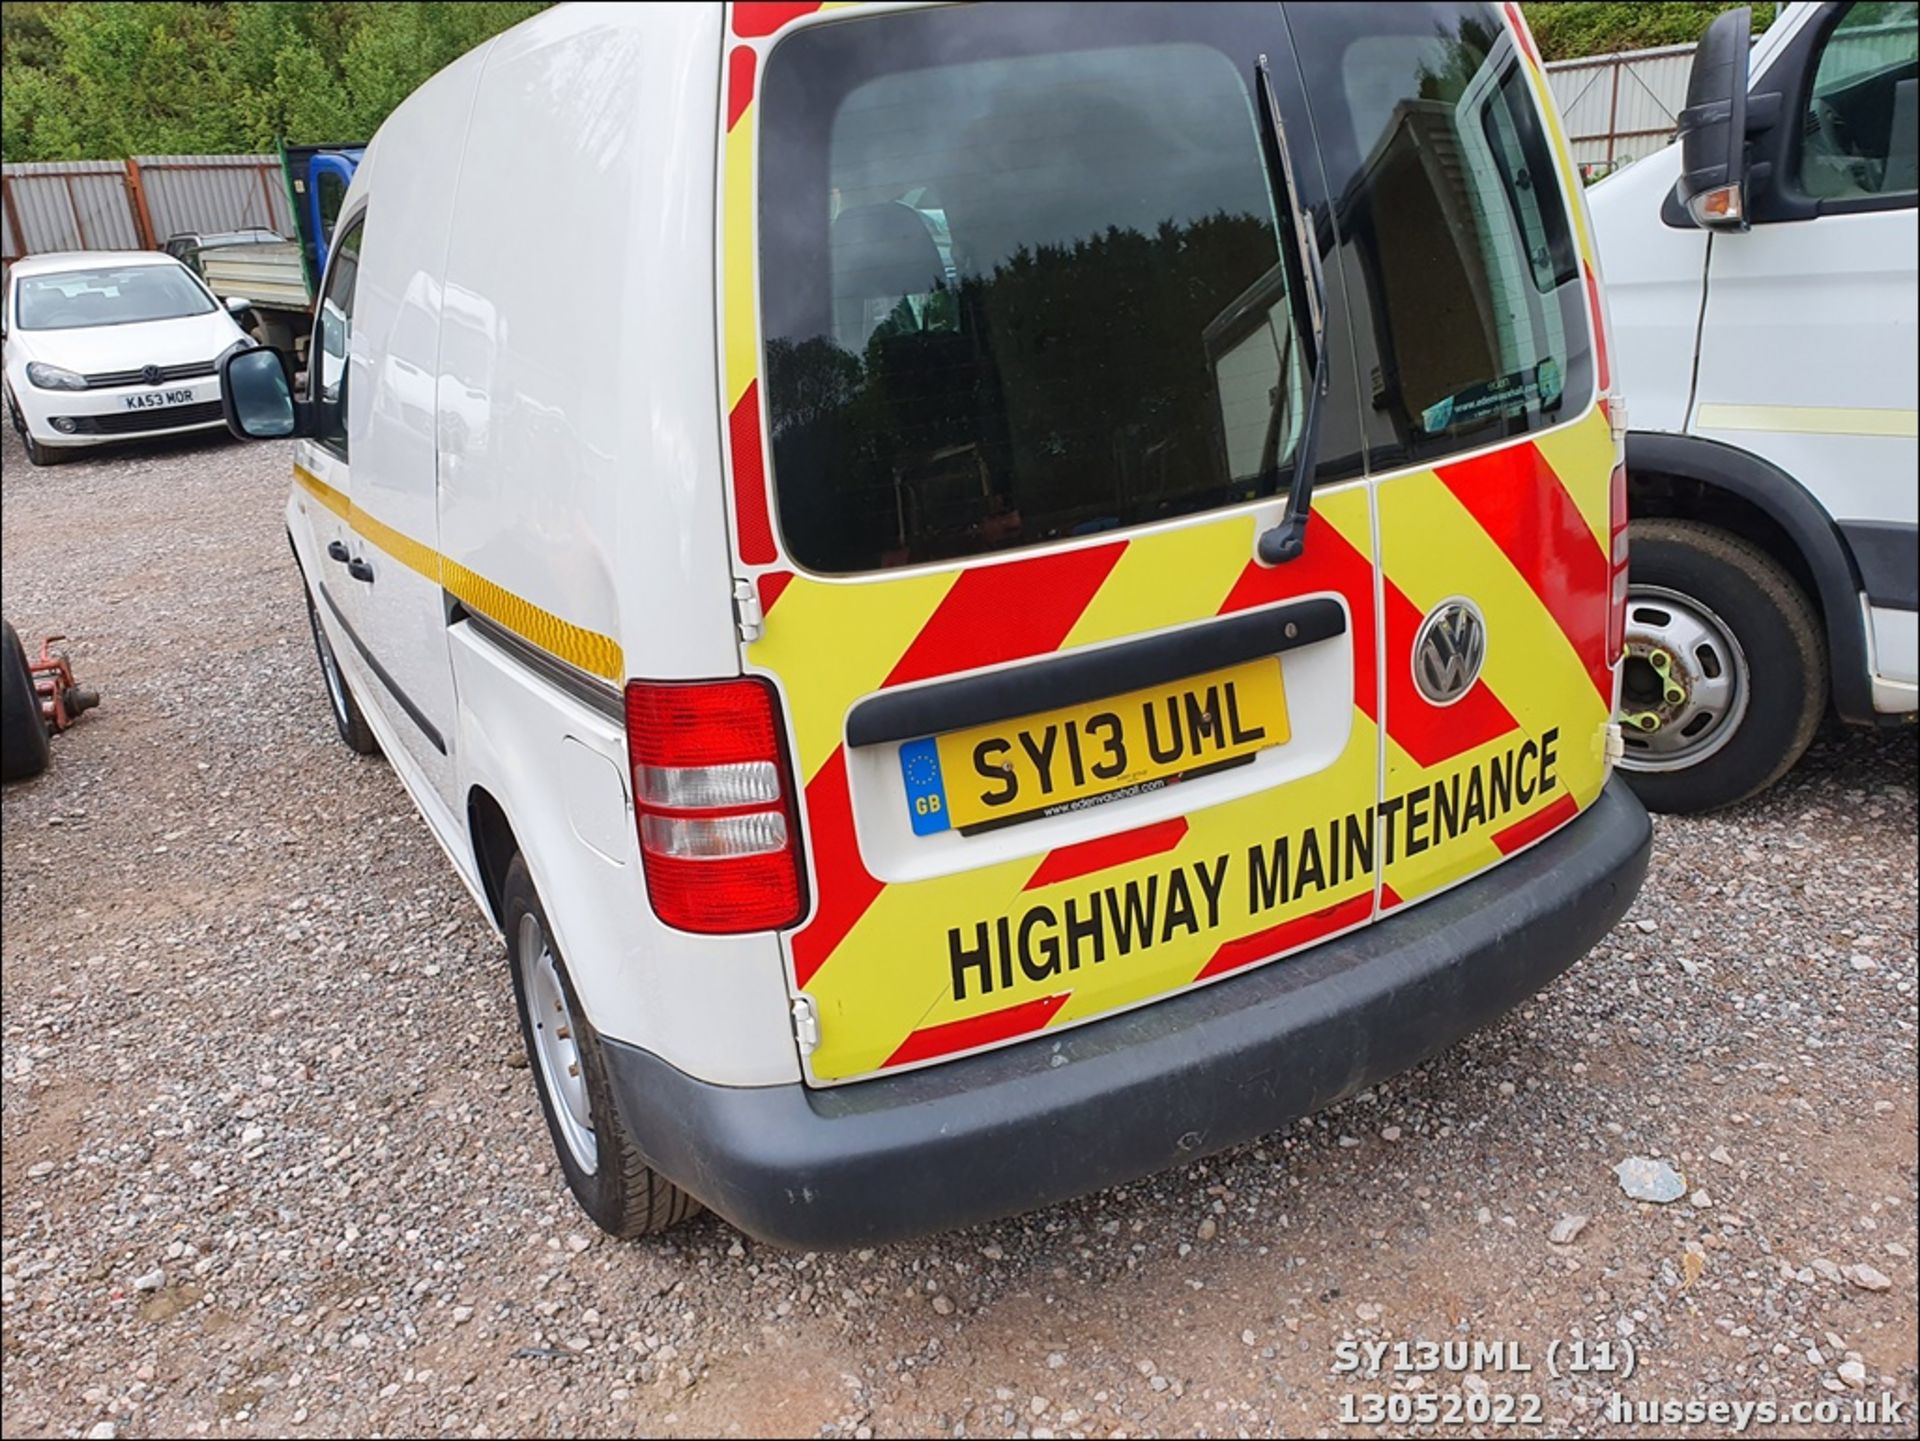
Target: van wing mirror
x: 1713, y: 126
x: 256, y: 396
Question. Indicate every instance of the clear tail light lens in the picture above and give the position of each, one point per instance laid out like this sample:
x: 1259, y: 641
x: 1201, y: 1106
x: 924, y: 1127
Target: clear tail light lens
x: 684, y: 788
x: 714, y: 797
x: 714, y: 838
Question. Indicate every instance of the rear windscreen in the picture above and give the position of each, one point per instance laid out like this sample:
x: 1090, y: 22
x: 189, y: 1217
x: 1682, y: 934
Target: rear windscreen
x: 1454, y: 229
x: 1020, y: 278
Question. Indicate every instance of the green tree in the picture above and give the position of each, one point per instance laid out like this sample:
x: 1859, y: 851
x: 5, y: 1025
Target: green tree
x: 1569, y: 29
x: 109, y: 79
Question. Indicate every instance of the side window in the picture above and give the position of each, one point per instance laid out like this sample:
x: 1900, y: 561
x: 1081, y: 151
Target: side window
x: 332, y: 336
x: 1858, y: 137
x: 1453, y: 226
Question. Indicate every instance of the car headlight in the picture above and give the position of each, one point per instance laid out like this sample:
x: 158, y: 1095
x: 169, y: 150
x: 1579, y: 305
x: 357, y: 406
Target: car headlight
x: 245, y: 342
x: 52, y: 377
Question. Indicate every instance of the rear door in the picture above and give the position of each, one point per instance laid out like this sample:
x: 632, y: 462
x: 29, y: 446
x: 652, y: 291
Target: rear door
x: 1014, y: 385
x: 1464, y: 244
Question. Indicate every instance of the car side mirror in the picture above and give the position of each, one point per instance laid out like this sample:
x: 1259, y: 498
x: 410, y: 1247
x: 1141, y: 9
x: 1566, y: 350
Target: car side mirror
x: 1713, y: 125
x: 236, y: 304
x: 256, y: 396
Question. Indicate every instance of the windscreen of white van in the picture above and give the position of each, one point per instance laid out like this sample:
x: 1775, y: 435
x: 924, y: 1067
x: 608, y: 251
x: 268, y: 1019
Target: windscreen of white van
x: 1020, y: 278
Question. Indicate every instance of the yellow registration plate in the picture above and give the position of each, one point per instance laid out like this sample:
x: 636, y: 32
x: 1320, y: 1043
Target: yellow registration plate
x: 1068, y: 759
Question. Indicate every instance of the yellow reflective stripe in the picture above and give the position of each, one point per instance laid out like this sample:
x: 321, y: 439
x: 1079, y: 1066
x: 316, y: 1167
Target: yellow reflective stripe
x: 1811, y: 420
x: 587, y: 650
x: 404, y: 548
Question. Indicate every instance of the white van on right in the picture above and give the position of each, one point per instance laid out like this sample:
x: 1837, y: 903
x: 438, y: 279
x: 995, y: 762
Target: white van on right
x: 1763, y: 295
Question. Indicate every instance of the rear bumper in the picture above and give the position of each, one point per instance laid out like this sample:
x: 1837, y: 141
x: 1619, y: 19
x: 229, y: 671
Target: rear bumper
x: 1105, y: 1103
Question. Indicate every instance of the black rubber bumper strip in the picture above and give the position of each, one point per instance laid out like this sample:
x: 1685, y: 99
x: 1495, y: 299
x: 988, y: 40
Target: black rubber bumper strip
x: 1885, y: 552
x: 1090, y: 675
x: 1113, y: 1100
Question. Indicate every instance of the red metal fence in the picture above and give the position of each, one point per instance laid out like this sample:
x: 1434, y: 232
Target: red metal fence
x: 136, y: 204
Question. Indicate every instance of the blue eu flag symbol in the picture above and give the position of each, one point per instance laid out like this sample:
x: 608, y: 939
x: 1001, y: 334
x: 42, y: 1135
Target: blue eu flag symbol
x: 926, y: 792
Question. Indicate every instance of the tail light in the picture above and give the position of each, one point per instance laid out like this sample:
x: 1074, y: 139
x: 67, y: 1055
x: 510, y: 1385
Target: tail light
x: 1617, y: 527
x: 719, y: 835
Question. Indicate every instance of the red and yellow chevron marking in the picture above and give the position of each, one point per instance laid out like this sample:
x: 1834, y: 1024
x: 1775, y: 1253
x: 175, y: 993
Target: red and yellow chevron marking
x: 1523, y: 532
x: 875, y: 958
x: 1518, y: 530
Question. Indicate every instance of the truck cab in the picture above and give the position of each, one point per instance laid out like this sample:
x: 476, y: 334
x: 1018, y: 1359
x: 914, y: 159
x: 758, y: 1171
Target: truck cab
x: 1761, y: 273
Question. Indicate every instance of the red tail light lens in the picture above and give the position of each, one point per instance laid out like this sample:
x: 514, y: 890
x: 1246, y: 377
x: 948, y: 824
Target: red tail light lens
x: 1617, y: 527
x: 718, y: 833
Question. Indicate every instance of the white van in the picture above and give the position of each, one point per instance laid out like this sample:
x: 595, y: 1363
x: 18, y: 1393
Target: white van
x: 1007, y: 520
x: 1768, y: 333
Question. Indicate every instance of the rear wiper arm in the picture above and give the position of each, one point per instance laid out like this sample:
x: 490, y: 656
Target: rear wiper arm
x: 1307, y: 291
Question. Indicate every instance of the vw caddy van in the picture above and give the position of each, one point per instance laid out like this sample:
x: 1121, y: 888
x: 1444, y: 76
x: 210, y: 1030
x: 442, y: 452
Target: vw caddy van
x: 991, y: 598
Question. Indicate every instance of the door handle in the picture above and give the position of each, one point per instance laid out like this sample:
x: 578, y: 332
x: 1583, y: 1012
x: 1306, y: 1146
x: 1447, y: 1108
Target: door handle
x: 336, y: 551
x: 359, y: 570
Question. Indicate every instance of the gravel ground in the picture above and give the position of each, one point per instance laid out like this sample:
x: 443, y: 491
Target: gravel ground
x: 273, y: 1161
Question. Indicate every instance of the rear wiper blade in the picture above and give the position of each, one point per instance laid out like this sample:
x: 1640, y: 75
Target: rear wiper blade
x: 1307, y: 291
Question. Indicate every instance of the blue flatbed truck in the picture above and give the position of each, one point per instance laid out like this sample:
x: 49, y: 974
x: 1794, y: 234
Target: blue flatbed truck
x: 280, y: 279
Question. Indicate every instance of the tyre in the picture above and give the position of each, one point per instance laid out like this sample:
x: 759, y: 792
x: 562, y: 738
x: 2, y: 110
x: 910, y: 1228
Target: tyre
x: 23, y: 735
x: 37, y: 454
x: 1704, y: 725
x: 624, y: 1196
x: 43, y: 455
x: 347, y: 718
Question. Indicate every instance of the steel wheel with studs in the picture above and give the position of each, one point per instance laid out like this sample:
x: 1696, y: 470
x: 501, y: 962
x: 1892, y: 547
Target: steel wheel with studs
x: 1684, y: 689
x: 1725, y: 675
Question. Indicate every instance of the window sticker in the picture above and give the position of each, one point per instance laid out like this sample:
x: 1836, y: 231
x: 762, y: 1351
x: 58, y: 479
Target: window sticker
x: 1511, y: 394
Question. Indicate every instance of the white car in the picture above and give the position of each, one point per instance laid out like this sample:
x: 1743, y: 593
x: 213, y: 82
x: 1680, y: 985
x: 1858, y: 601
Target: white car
x: 107, y: 345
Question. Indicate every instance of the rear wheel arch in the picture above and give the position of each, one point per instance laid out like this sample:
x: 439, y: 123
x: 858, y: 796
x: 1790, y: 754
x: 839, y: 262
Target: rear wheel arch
x: 1684, y: 477
x: 494, y: 847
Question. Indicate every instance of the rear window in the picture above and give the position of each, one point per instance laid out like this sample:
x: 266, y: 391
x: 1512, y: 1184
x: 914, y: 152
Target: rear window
x: 1020, y: 278
x: 1453, y: 225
